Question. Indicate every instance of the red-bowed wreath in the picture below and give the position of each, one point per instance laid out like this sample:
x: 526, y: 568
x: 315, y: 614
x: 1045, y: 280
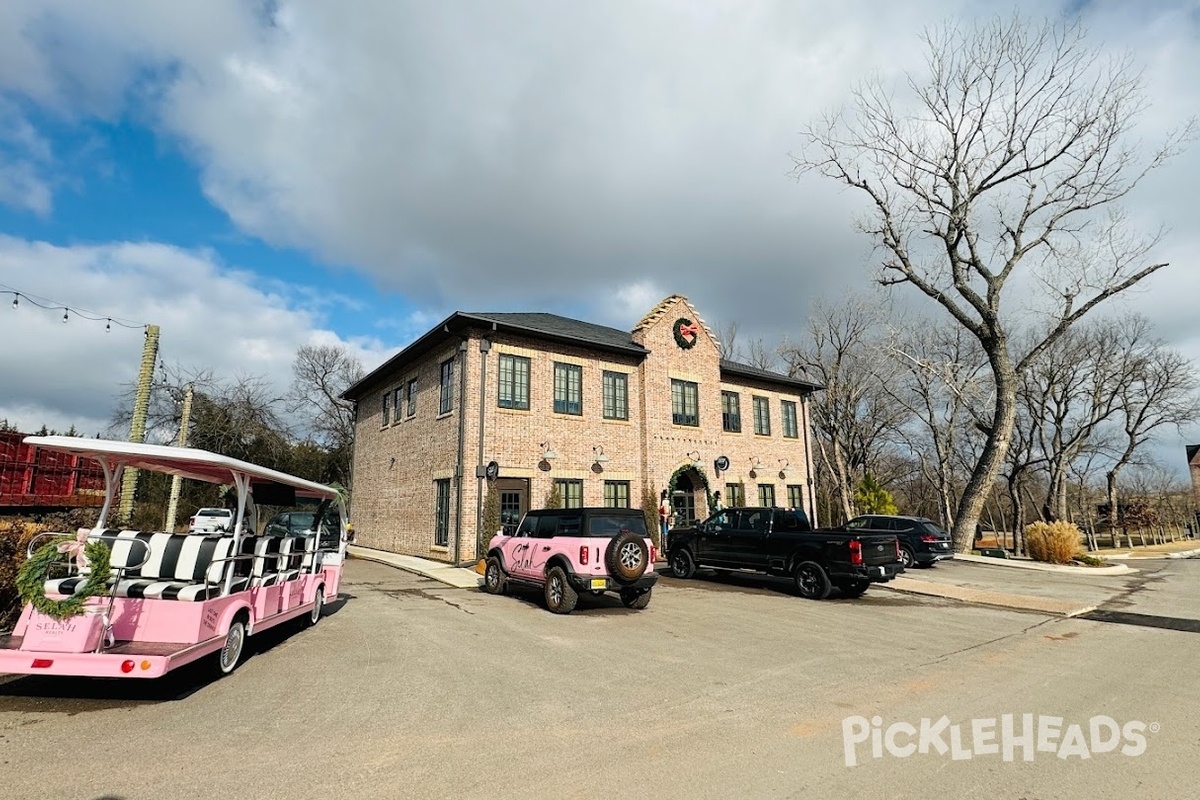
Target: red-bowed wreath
x: 682, y: 328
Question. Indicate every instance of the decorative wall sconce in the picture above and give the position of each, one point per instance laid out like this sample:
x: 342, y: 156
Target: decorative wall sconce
x: 547, y: 453
x: 598, y: 456
x: 783, y: 467
x: 755, y: 463
x: 694, y: 456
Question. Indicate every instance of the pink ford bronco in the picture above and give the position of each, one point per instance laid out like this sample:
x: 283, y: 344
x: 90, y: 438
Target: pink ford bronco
x: 567, y: 551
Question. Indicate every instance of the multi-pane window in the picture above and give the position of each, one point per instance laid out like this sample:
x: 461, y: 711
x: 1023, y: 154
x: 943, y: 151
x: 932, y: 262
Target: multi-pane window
x: 441, y: 513
x: 446, y: 397
x: 514, y: 382
x: 762, y: 416
x: 398, y: 403
x: 684, y: 403
x: 766, y: 494
x: 731, y: 412
x: 616, y: 395
x: 571, y: 492
x: 412, y: 397
x: 790, y: 429
x: 735, y: 494
x: 616, y: 494
x: 568, y: 389
x: 386, y: 415
x: 795, y: 496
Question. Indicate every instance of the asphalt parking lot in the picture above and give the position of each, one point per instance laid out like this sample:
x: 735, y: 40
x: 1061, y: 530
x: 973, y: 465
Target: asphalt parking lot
x: 723, y: 687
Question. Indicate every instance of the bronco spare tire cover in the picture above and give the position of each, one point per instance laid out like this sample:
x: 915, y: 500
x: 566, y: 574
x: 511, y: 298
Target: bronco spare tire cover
x: 627, y: 557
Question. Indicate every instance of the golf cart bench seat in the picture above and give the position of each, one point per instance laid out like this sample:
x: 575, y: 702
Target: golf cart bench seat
x: 278, y: 559
x: 179, y: 566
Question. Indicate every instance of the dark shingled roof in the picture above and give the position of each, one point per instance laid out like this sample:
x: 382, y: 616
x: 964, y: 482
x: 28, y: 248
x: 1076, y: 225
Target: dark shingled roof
x: 562, y: 328
x: 747, y: 371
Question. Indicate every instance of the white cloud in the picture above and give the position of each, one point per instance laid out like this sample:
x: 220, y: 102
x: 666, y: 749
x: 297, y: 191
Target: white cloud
x: 210, y: 317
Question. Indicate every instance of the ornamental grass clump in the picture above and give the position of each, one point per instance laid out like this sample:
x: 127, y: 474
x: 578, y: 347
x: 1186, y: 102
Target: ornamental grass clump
x: 1053, y: 542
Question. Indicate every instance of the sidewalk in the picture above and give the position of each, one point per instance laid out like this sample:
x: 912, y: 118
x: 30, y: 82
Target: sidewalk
x: 448, y: 574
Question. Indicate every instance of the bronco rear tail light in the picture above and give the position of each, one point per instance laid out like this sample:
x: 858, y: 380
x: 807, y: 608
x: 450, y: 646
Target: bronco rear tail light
x: 42, y: 663
x: 898, y: 558
x: 855, y: 552
x: 583, y: 554
x: 653, y: 554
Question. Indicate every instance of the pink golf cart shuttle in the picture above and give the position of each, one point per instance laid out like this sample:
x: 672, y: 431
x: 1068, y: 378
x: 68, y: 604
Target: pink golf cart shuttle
x: 173, y: 598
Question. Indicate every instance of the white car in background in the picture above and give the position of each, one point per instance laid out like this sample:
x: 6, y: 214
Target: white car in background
x: 212, y: 520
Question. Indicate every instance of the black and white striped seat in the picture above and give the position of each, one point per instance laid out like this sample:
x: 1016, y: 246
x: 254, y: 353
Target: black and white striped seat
x: 179, y: 567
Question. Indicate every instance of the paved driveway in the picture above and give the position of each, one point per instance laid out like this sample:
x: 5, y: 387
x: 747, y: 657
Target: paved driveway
x: 721, y: 688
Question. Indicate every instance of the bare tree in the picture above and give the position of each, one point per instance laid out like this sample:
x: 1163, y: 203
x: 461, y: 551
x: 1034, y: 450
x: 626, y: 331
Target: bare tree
x: 854, y: 419
x: 1161, y: 391
x: 941, y: 383
x: 727, y: 334
x: 320, y: 374
x: 1009, y: 172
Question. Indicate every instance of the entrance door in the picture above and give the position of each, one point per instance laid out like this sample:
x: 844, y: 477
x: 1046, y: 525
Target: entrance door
x: 514, y: 502
x: 683, y: 501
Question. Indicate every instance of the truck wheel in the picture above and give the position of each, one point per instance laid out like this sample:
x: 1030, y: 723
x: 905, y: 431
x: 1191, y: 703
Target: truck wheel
x: 854, y: 588
x: 906, y: 558
x: 627, y: 557
x: 493, y: 576
x: 632, y: 598
x: 682, y: 564
x: 560, y: 597
x: 811, y: 580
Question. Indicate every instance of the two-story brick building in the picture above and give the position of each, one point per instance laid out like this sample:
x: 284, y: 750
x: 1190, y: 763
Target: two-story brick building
x: 522, y: 403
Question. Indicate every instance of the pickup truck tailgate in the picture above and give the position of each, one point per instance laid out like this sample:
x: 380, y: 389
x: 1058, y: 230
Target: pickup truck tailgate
x: 878, y: 550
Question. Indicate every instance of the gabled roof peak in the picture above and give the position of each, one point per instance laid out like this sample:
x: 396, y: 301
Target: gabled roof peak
x: 660, y: 310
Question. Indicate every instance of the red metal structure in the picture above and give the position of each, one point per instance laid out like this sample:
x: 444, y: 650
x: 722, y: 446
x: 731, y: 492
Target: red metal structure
x: 32, y: 478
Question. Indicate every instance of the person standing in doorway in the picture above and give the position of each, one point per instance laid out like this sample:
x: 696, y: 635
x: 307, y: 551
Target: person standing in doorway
x: 717, y: 504
x: 664, y: 519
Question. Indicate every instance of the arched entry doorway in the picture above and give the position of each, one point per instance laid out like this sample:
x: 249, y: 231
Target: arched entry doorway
x: 689, y: 496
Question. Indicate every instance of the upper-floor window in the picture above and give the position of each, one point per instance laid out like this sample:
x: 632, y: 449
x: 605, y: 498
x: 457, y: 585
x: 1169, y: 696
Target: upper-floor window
x: 616, y: 395
x: 568, y: 389
x: 616, y: 494
x: 762, y: 416
x: 685, y: 408
x: 412, y: 397
x: 446, y: 397
x: 386, y: 409
x: 790, y: 429
x: 514, y: 382
x: 731, y: 412
x: 571, y: 492
x: 398, y: 403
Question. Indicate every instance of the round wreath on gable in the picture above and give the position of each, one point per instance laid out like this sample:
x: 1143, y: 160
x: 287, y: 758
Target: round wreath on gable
x: 31, y: 578
x: 686, y: 332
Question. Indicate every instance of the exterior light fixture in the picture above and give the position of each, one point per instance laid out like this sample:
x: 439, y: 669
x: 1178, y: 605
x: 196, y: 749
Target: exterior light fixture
x: 783, y: 467
x: 598, y: 455
x: 694, y: 456
x: 547, y: 453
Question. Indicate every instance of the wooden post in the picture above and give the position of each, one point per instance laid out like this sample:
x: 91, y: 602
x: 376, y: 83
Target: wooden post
x: 141, y: 409
x: 181, y: 441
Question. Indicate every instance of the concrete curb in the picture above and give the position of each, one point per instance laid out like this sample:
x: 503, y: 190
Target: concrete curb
x: 448, y: 574
x: 1134, y: 556
x: 1115, y: 569
x: 987, y: 597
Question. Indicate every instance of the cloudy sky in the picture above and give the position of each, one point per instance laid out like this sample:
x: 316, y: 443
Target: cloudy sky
x: 252, y: 176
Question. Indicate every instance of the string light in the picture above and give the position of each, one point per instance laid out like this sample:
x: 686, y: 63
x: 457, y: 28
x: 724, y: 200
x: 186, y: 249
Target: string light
x: 53, y: 305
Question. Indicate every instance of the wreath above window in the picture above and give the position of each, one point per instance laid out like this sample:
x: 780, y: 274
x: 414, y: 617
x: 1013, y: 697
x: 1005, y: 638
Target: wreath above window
x: 686, y: 333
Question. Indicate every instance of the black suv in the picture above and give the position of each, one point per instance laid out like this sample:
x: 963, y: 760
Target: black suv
x: 922, y: 542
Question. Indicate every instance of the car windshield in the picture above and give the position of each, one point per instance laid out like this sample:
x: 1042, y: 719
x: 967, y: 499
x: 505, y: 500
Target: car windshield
x: 609, y: 525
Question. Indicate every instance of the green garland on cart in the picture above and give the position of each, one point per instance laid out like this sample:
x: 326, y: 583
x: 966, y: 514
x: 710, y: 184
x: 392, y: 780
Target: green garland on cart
x: 31, y: 579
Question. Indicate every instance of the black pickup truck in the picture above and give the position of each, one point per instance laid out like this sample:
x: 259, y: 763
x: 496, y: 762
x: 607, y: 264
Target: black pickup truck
x: 781, y: 541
